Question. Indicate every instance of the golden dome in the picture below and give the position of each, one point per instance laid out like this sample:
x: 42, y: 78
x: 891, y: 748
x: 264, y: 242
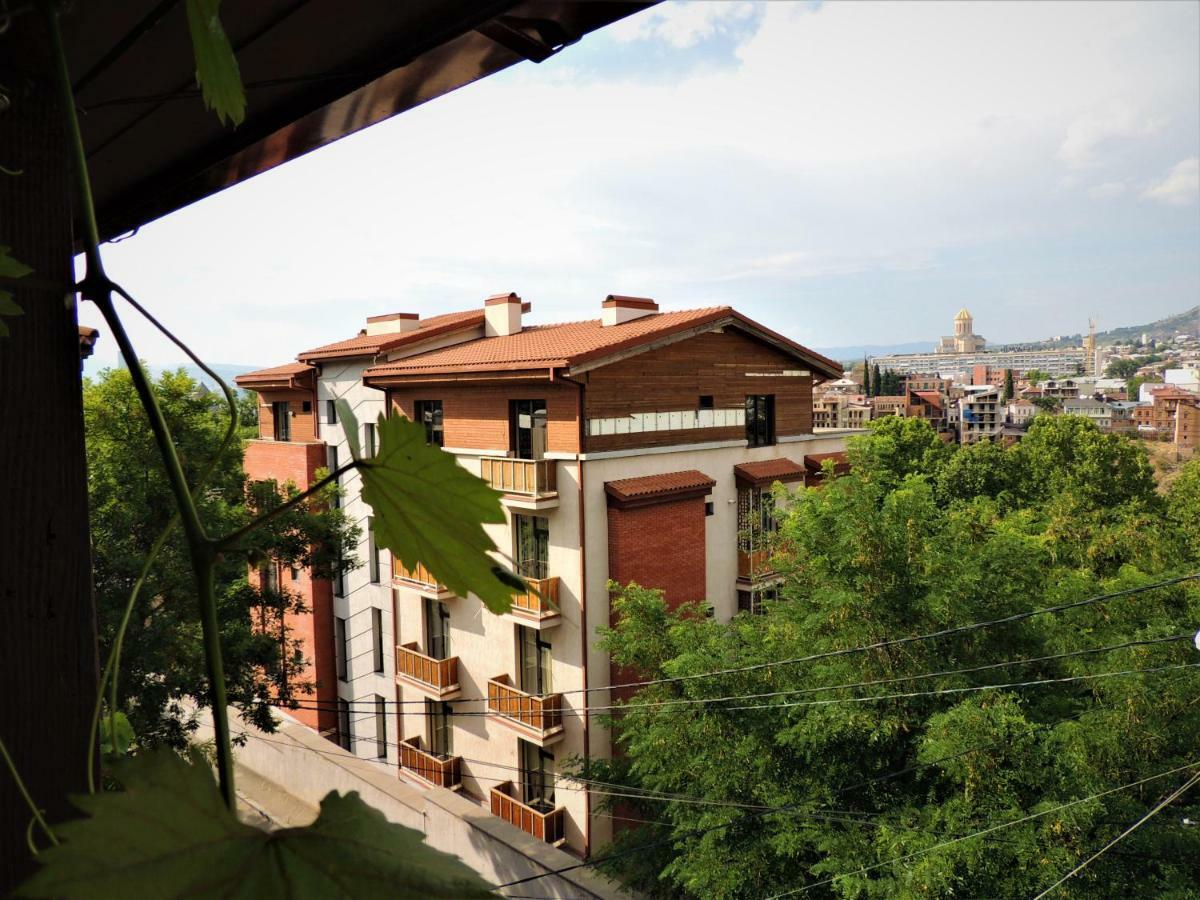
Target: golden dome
x: 962, y: 315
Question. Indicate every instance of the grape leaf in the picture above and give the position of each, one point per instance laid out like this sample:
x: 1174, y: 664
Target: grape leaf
x: 10, y: 268
x: 125, y: 735
x: 429, y: 509
x: 349, y: 425
x: 216, y: 67
x: 169, y: 835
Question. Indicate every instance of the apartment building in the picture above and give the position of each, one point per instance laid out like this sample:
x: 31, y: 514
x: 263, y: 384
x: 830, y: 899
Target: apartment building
x: 1172, y: 415
x: 979, y: 415
x: 639, y: 446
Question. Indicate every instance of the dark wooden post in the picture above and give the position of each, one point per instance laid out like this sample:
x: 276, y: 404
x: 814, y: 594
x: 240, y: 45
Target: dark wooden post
x: 48, y: 664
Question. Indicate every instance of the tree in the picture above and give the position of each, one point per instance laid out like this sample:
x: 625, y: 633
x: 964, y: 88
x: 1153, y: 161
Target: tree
x: 247, y: 404
x: 895, y: 448
x: 1009, y: 389
x: 866, y: 376
x: 1047, y: 404
x: 876, y: 381
x: 163, y: 658
x: 1133, y: 386
x: 1036, y: 376
x: 1122, y: 368
x: 871, y: 795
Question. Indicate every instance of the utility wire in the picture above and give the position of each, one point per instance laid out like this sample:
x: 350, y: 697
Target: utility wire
x: 1171, y: 798
x: 984, y: 831
x: 879, y: 645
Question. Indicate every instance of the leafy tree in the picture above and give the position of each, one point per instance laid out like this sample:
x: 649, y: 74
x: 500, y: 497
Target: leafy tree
x: 1047, y: 404
x: 876, y: 380
x: 1122, y: 368
x: 1009, y: 389
x: 247, y: 405
x: 1036, y: 376
x: 866, y: 384
x: 163, y: 658
x: 895, y: 448
x: 870, y: 795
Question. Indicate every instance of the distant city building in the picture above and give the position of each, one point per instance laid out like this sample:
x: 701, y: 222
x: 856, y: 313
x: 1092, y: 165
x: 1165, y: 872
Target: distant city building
x: 964, y: 340
x: 979, y: 415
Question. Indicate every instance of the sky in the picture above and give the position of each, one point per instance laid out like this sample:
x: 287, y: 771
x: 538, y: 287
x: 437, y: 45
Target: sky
x: 845, y: 173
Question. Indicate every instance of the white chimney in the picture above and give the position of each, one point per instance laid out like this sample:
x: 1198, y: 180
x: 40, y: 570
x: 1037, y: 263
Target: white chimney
x: 502, y: 315
x: 393, y: 323
x: 617, y: 309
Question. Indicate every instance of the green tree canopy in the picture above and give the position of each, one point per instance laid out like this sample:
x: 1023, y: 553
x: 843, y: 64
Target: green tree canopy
x: 916, y: 539
x: 162, y: 661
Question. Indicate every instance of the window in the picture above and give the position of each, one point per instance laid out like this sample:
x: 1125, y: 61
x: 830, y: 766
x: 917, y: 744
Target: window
x: 760, y: 420
x: 339, y: 579
x: 377, y: 637
x: 295, y: 574
x: 283, y: 421
x: 337, y: 482
x: 532, y: 545
x: 339, y: 646
x: 535, y: 659
x: 372, y: 551
x: 709, y: 509
x: 331, y: 412
x: 429, y: 413
x: 537, y: 777
x: 527, y: 421
x: 369, y: 439
x: 268, y: 576
x: 706, y: 401
x: 437, y: 629
x: 441, y: 735
x: 345, y: 737
x: 381, y: 741
x: 753, y: 601
x: 306, y: 406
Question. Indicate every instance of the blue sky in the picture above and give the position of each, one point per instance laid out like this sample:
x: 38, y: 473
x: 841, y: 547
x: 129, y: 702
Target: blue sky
x: 847, y: 173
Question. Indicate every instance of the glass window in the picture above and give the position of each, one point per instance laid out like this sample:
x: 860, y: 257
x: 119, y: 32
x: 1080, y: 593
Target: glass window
x: 537, y: 777
x: 437, y: 629
x: 441, y: 736
x: 377, y: 637
x: 339, y: 646
x: 752, y: 601
x: 706, y: 401
x: 760, y: 420
x: 345, y: 736
x: 532, y: 545
x: 331, y: 412
x: 333, y: 466
x: 372, y: 552
x: 528, y: 426
x: 282, y: 419
x: 381, y: 741
x: 536, y: 661
x: 429, y: 413
x: 369, y: 439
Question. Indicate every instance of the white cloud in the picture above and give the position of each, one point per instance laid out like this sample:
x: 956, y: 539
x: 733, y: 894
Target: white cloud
x: 683, y: 24
x: 1098, y: 130
x: 1180, y: 187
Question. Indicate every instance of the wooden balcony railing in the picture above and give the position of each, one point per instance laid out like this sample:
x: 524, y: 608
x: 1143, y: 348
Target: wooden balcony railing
x: 418, y: 575
x: 754, y: 563
x: 531, y: 477
x: 546, y: 826
x: 440, y: 771
x: 542, y: 716
x: 540, y: 601
x: 439, y: 676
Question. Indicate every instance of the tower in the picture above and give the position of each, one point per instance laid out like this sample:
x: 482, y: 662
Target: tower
x: 964, y: 325
x: 1089, y: 350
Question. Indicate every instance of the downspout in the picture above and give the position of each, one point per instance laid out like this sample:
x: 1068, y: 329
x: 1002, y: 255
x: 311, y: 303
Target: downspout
x: 583, y: 620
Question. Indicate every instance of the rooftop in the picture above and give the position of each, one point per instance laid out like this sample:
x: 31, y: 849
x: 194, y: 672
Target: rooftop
x: 364, y: 344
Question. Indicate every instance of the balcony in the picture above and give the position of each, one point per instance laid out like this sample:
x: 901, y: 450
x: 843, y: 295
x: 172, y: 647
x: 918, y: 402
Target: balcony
x: 538, y: 606
x: 538, y: 719
x: 437, y: 678
x: 754, y: 565
x: 545, y: 826
x: 429, y: 768
x: 526, y: 483
x: 419, y: 579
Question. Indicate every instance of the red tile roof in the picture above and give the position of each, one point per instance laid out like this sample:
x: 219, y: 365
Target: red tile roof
x: 768, y: 471
x: 933, y: 398
x: 371, y: 344
x: 275, y: 373
x: 652, y: 488
x: 815, y: 462
x: 573, y: 344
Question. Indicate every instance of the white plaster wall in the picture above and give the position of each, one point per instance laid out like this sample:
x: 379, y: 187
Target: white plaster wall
x: 342, y: 379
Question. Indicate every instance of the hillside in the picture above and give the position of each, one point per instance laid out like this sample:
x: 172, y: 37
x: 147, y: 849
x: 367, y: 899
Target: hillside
x: 1181, y: 323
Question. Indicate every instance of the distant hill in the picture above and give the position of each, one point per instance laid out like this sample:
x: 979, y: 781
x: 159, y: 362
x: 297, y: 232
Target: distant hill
x: 855, y: 352
x: 1181, y: 323
x: 226, y: 370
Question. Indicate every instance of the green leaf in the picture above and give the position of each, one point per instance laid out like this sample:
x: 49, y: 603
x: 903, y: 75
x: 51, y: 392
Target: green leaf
x: 429, y: 509
x: 169, y: 835
x: 10, y: 268
x: 125, y: 735
x: 349, y: 425
x: 216, y: 66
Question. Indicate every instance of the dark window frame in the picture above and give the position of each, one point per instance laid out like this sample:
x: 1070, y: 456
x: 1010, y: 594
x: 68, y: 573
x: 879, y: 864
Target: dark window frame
x: 760, y: 420
x: 536, y: 673
x: 431, y: 414
x: 331, y: 412
x: 539, y: 420
x: 537, y: 776
x: 345, y: 726
x: 441, y: 728
x: 437, y: 629
x: 377, y: 637
x: 369, y: 440
x: 281, y: 421
x: 373, y: 566
x: 531, y: 541
x: 341, y: 648
x: 381, y: 741
x: 705, y: 401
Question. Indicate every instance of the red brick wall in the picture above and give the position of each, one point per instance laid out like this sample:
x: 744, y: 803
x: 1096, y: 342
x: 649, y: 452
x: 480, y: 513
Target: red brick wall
x: 297, y: 463
x: 659, y: 546
x: 475, y: 416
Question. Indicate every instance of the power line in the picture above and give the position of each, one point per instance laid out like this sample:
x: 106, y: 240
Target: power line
x: 879, y: 645
x: 982, y: 832
x: 1175, y: 795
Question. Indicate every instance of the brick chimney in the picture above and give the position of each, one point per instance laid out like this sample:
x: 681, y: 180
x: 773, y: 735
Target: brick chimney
x: 502, y: 315
x: 392, y: 323
x: 617, y: 309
